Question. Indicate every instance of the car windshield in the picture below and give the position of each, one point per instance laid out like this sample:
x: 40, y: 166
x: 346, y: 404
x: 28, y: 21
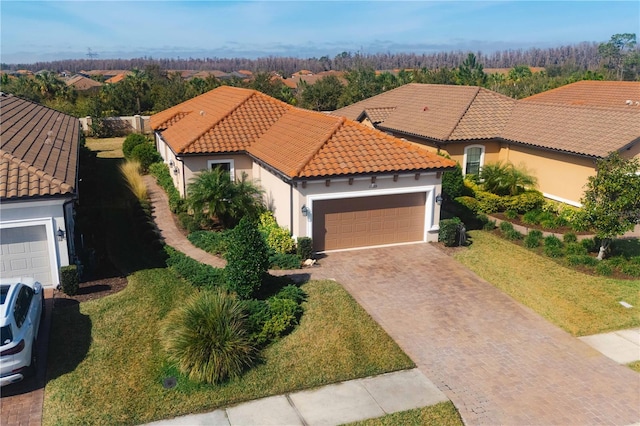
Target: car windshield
x: 4, y: 290
x: 5, y: 335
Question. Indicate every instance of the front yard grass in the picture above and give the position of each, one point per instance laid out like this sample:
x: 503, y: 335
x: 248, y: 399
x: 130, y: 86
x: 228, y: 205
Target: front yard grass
x: 443, y: 414
x: 106, y: 364
x: 580, y: 304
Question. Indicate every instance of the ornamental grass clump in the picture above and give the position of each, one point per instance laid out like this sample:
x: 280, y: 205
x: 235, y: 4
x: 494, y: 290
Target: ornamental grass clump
x: 130, y: 170
x: 207, y: 339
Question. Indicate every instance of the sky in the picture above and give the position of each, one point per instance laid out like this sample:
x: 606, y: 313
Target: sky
x: 32, y: 31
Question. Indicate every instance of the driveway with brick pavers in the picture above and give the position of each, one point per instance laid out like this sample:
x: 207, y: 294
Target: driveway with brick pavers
x: 498, y: 361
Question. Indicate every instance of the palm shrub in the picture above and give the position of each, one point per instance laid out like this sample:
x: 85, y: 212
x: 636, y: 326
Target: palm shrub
x: 207, y: 339
x: 505, y: 179
x: 247, y: 259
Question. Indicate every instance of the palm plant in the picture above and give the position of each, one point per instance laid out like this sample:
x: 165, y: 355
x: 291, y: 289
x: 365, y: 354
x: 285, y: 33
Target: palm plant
x: 505, y: 179
x: 212, y: 193
x: 207, y: 339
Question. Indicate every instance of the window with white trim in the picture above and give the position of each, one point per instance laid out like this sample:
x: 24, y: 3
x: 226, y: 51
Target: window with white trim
x: 473, y: 159
x: 226, y: 165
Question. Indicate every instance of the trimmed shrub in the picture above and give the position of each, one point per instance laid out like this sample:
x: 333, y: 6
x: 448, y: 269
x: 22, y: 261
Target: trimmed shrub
x: 553, y: 246
x: 581, y: 259
x: 188, y: 222
x: 146, y: 154
x: 631, y: 269
x: 196, y: 273
x: 163, y: 177
x: 513, y: 235
x: 531, y: 217
x: 469, y: 202
x: 489, y: 225
x: 292, y: 292
x: 570, y: 237
x: 453, y: 183
x: 589, y: 244
x: 284, y: 261
x: 131, y: 141
x: 511, y: 214
x: 617, y: 261
x: 527, y: 201
x: 69, y: 280
x: 283, y: 317
x: 278, y: 239
x: 207, y: 339
x: 247, y: 259
x: 210, y: 241
x: 489, y: 203
x: 505, y: 227
x: 604, y: 268
x: 533, y: 238
x: 304, y: 248
x: 448, y: 232
x: 575, y: 249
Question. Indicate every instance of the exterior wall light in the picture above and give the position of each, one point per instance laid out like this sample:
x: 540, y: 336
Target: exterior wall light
x: 305, y: 210
x: 439, y: 199
x: 60, y: 234
x: 171, y: 163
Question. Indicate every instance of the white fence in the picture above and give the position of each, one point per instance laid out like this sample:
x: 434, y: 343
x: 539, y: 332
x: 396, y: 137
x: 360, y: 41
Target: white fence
x: 121, y: 125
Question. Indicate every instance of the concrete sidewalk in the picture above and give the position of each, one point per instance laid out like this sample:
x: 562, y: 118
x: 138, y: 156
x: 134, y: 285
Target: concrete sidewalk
x: 622, y: 346
x: 329, y: 405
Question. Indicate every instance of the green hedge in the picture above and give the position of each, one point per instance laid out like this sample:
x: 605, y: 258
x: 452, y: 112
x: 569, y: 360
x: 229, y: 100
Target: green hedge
x: 198, y: 274
x: 449, y: 231
x: 69, y: 280
x: 163, y: 176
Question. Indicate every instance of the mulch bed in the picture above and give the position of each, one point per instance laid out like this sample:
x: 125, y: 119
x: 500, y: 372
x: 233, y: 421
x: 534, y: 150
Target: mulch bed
x: 104, y: 281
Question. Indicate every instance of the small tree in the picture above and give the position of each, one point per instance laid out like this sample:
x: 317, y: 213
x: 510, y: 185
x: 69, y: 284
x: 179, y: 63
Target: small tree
x: 247, y: 259
x: 611, y: 202
x: 130, y: 142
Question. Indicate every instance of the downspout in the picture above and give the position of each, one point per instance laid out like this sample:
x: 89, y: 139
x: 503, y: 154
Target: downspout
x: 291, y: 207
x: 184, y: 183
x: 71, y: 252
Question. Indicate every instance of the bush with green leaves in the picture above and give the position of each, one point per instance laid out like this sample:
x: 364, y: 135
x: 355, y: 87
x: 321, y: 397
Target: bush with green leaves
x: 513, y: 235
x: 214, y: 242
x: 469, y: 202
x: 146, y: 154
x: 553, y: 246
x: 629, y: 268
x: 304, y: 248
x: 284, y: 260
x: 527, y: 201
x: 505, y: 226
x: 69, y: 280
x: 604, y: 268
x: 247, y: 259
x: 511, y: 214
x: 131, y: 141
x: 206, y: 337
x: 581, y: 259
x: 453, y: 183
x: 449, y: 231
x: 488, y: 202
x: 533, y: 238
x: 196, y: 273
x: 589, y: 244
x: 278, y: 239
x: 163, y: 177
x: 570, y: 237
x: 531, y: 217
x: 575, y: 249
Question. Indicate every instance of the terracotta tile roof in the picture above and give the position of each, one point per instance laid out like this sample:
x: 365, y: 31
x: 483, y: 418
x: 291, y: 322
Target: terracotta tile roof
x: 297, y: 142
x: 592, y: 131
x: 39, y: 150
x: 462, y: 113
x: 593, y: 93
x: 432, y: 110
x: 81, y: 83
x: 118, y: 78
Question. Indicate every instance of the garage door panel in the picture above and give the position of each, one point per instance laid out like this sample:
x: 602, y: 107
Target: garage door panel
x: 368, y: 221
x: 25, y: 252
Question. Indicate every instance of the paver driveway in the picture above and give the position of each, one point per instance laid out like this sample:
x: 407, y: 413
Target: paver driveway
x: 498, y: 361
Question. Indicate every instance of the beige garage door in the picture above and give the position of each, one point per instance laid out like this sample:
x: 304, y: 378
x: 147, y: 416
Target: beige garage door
x: 25, y: 253
x: 368, y: 221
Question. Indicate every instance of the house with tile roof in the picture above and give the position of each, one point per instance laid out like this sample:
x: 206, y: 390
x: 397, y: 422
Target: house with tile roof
x: 557, y: 135
x: 38, y: 187
x: 343, y: 184
x: 84, y: 84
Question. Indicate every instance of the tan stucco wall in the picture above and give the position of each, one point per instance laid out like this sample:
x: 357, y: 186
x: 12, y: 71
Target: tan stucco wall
x: 560, y: 176
x: 277, y: 194
x: 632, y: 152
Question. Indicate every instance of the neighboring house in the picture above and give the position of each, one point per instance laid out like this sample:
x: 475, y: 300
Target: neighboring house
x: 337, y: 181
x: 555, y: 139
x: 38, y: 186
x: 310, y: 78
x: 84, y: 84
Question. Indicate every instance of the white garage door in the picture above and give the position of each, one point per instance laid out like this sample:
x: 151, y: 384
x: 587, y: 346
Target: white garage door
x: 25, y: 253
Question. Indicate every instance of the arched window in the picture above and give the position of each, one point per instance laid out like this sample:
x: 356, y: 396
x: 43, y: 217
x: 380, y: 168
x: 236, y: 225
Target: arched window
x: 473, y: 159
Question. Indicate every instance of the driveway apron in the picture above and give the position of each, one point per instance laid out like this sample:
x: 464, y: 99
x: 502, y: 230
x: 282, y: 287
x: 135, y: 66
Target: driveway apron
x: 498, y: 361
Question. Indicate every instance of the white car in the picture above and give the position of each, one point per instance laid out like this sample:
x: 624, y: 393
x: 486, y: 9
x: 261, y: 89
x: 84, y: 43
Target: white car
x: 21, y: 309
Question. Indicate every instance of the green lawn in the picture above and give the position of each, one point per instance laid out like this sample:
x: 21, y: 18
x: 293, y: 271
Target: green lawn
x: 106, y: 147
x: 443, y: 414
x: 115, y: 371
x: 581, y: 304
